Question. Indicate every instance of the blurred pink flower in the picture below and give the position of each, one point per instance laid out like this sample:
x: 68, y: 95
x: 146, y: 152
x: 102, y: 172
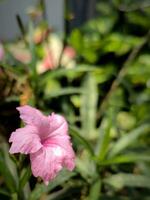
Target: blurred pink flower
x: 1, y: 52
x: 50, y: 62
x: 70, y: 52
x: 47, y: 141
x: 40, y: 34
x: 20, y: 52
x: 55, y: 54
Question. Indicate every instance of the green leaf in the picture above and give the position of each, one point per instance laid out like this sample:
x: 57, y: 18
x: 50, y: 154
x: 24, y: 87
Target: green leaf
x: 127, y: 158
x: 6, y: 169
x: 64, y: 176
x: 89, y: 172
x: 14, y: 196
x: 74, y: 133
x: 139, y: 20
x: 40, y: 189
x: 25, y: 175
x: 61, y: 194
x: 89, y: 107
x: 64, y: 91
x: 108, y: 197
x: 115, y: 43
x: 76, y: 40
x: 95, y: 191
x: 128, y: 139
x: 139, y: 71
x: 70, y: 72
x: 121, y: 180
x: 89, y: 55
x: 51, y: 86
x: 37, y: 191
x: 101, y: 25
x: 104, y: 139
x: 4, y: 192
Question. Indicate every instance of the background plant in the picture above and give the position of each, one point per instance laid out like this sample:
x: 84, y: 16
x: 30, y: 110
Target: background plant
x: 104, y: 96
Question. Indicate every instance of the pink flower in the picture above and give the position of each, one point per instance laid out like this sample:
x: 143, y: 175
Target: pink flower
x: 20, y: 52
x: 55, y: 54
x: 70, y: 52
x: 47, y: 141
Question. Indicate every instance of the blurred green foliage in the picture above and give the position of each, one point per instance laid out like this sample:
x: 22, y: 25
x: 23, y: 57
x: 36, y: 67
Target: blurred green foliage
x: 105, y: 98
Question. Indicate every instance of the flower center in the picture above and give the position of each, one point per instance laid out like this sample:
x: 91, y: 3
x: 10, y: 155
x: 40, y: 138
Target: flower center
x: 46, y: 142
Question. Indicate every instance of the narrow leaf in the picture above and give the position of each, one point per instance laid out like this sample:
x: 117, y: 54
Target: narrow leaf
x: 104, y: 139
x: 5, y: 170
x: 4, y: 192
x: 128, y: 139
x: 41, y: 188
x: 81, y: 139
x: 64, y: 91
x: 128, y: 158
x: 88, y: 107
x: 121, y: 180
x: 25, y: 175
x: 95, y: 191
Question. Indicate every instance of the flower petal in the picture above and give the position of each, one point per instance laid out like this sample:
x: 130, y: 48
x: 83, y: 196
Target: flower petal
x: 63, y: 142
x: 32, y: 116
x: 58, y: 125
x: 25, y: 140
x: 48, y: 161
x: 45, y: 164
